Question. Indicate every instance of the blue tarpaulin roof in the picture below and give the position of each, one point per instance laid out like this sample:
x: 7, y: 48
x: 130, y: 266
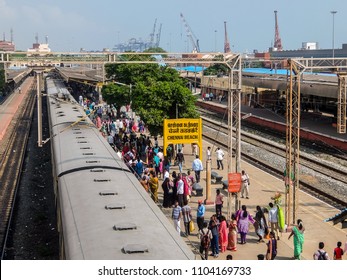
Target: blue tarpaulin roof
x: 269, y: 71
x: 191, y: 68
x: 265, y: 71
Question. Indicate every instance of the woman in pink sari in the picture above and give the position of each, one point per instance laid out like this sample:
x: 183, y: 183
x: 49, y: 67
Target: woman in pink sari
x: 223, y: 234
x: 98, y: 122
x: 232, y: 236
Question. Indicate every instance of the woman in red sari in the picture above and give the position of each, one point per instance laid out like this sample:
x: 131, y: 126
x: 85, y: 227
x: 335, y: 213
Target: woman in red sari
x: 232, y: 236
x: 125, y: 149
x: 223, y: 234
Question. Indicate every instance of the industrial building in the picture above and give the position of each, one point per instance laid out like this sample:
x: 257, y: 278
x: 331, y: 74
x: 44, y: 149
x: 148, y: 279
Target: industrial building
x: 308, y: 53
x: 7, y: 46
x: 39, y: 48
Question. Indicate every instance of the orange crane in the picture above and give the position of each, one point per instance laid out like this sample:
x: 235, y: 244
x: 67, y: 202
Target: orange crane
x: 226, y: 39
x: 278, y: 41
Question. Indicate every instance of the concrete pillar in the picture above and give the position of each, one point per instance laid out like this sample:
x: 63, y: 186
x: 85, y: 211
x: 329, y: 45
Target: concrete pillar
x: 208, y: 200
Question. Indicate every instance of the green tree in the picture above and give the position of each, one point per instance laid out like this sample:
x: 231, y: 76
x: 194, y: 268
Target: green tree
x: 217, y: 69
x: 155, y: 50
x: 157, y: 92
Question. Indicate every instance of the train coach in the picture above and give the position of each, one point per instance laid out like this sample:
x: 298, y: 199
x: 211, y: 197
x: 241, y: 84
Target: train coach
x: 103, y: 211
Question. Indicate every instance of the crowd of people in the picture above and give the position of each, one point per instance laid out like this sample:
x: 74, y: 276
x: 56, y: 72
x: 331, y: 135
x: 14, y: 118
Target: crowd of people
x: 222, y: 234
x: 217, y: 233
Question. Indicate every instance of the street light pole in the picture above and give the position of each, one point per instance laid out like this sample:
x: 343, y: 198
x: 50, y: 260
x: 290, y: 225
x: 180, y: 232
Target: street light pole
x: 130, y: 89
x: 333, y: 13
x: 130, y: 94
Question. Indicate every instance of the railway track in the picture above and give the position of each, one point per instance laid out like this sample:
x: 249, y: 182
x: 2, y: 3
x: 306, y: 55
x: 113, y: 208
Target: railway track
x: 12, y: 161
x: 325, y: 168
x: 319, y: 149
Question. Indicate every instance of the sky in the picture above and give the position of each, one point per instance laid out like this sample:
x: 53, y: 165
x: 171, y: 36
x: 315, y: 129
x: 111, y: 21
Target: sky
x: 94, y: 25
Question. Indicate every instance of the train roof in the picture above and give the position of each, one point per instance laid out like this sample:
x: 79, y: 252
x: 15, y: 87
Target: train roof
x: 105, y: 211
x: 108, y: 215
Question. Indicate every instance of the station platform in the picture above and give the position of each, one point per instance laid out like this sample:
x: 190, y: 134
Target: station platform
x: 318, y: 123
x: 9, y: 108
x: 314, y: 126
x: 263, y: 186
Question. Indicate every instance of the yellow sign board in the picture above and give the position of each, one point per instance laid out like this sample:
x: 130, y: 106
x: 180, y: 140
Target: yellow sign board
x: 183, y: 131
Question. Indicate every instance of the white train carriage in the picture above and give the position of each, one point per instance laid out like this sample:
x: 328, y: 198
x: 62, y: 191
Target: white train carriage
x: 103, y: 211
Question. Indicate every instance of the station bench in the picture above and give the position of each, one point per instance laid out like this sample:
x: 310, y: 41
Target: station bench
x: 198, y: 189
x: 225, y: 184
x: 218, y: 178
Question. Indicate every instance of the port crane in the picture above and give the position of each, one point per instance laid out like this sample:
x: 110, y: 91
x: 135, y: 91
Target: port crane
x: 191, y: 36
x: 153, y: 34
x: 158, y: 36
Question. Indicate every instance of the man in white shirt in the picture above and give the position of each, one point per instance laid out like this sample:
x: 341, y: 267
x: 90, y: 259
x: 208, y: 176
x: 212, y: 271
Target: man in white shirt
x: 245, y: 184
x: 166, y: 174
x: 176, y: 216
x: 197, y: 167
x: 320, y: 254
x: 220, y: 156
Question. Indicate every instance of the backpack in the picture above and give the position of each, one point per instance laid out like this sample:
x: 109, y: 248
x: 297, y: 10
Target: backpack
x: 205, y: 241
x: 322, y: 255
